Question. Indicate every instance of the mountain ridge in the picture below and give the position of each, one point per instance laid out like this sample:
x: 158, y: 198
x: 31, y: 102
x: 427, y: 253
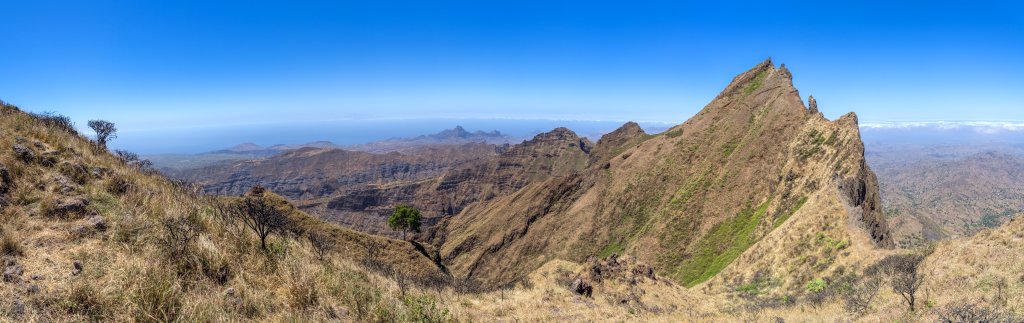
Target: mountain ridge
x: 756, y: 127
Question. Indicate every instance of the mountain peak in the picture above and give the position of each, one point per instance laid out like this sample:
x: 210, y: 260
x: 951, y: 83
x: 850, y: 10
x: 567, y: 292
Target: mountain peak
x: 753, y: 75
x: 244, y: 147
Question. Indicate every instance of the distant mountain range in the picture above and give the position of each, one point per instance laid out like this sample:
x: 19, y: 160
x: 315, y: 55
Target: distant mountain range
x: 248, y: 151
x: 454, y: 136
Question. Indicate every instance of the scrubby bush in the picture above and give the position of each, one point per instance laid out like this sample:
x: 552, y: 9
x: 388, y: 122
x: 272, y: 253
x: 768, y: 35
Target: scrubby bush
x: 861, y: 293
x: 179, y: 233
x: 424, y: 309
x: 968, y: 312
x: 55, y: 120
x: 817, y: 285
x: 322, y: 244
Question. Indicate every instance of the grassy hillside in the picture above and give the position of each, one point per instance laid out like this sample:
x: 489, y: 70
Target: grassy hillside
x: 691, y: 201
x: 88, y: 236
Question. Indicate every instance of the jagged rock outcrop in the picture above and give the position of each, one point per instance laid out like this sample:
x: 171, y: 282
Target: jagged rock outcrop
x: 692, y: 200
x: 812, y: 104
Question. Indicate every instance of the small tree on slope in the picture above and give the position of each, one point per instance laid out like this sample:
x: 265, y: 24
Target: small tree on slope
x: 405, y: 218
x: 261, y: 216
x: 105, y: 131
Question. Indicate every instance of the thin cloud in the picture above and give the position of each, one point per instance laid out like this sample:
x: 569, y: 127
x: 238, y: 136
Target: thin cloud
x: 984, y: 127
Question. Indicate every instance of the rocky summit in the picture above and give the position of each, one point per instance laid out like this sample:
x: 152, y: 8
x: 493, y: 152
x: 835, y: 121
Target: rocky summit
x: 754, y: 174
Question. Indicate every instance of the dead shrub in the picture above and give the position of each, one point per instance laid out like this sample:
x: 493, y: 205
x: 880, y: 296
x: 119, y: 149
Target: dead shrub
x: 178, y: 235
x: 969, y: 312
x: 10, y: 243
x: 322, y: 245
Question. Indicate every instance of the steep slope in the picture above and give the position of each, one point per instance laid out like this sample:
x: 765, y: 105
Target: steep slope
x: 85, y: 235
x: 690, y: 200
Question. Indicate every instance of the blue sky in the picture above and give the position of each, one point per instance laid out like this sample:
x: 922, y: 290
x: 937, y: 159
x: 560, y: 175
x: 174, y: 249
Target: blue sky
x: 152, y: 66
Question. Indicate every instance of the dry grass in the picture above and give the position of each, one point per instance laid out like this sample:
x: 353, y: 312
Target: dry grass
x: 140, y: 268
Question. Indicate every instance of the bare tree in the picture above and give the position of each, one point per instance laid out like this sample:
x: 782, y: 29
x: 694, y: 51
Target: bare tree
x: 905, y: 275
x: 105, y: 131
x: 322, y: 244
x: 261, y: 216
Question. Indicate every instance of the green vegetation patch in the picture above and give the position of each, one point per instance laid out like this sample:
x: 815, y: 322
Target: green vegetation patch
x: 723, y: 244
x: 789, y: 212
x: 755, y: 83
x: 729, y: 147
x: 685, y: 193
x: 817, y: 285
x: 612, y: 247
x: 674, y: 133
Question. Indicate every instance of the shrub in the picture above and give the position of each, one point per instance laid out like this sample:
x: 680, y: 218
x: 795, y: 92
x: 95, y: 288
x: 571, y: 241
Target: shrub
x: 179, y: 233
x: 857, y: 299
x: 55, y: 120
x: 817, y: 285
x: 119, y: 185
x: 424, y: 309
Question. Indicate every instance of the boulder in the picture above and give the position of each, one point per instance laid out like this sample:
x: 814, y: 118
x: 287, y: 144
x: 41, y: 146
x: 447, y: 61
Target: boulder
x: 70, y: 206
x: 12, y: 274
x: 24, y: 153
x: 5, y: 180
x: 65, y: 185
x: 98, y: 222
x: 76, y: 268
x: 581, y: 287
x: 5, y: 184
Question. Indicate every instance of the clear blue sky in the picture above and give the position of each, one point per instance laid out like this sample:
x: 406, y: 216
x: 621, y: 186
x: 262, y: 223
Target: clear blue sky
x: 149, y: 65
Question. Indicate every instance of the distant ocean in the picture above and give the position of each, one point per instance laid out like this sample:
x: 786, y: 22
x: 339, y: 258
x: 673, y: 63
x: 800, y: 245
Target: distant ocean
x: 346, y: 132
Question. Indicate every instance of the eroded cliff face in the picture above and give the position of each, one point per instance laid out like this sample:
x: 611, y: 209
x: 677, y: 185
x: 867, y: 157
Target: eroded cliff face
x: 691, y: 200
x: 555, y: 154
